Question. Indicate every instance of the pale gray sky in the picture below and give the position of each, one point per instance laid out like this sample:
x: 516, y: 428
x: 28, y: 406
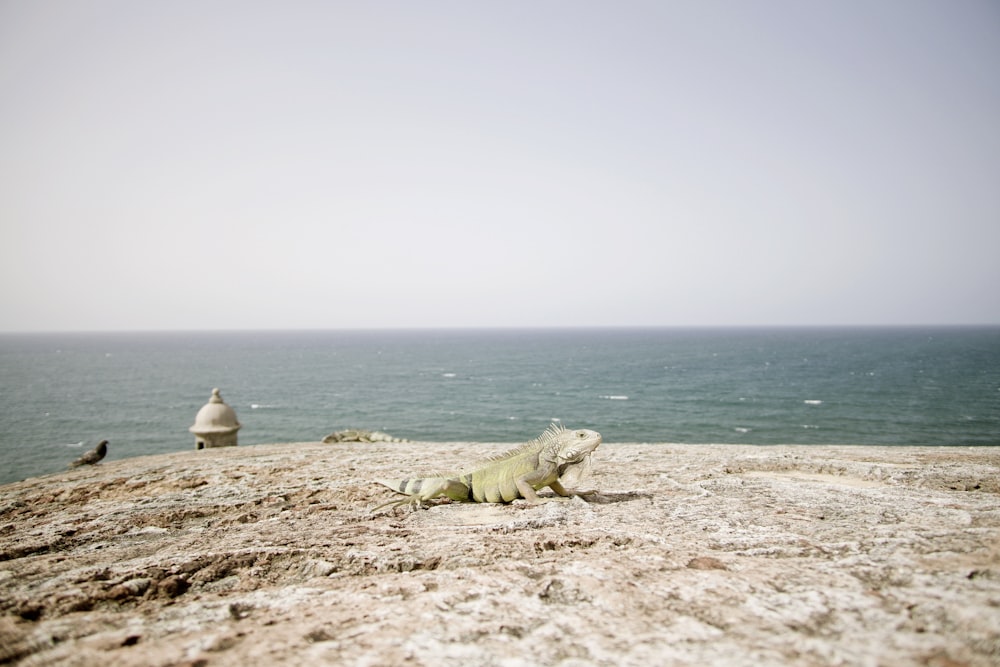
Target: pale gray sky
x: 227, y: 165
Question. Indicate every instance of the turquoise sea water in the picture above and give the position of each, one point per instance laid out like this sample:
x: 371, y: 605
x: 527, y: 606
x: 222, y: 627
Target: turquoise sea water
x: 62, y: 393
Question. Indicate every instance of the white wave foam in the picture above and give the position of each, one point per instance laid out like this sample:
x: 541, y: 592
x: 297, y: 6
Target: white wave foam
x: 615, y: 398
x: 813, y: 402
x: 260, y: 406
x: 809, y: 426
x: 448, y: 375
x: 742, y: 429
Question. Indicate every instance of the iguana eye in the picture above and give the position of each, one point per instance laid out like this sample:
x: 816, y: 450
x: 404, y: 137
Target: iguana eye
x: 581, y: 434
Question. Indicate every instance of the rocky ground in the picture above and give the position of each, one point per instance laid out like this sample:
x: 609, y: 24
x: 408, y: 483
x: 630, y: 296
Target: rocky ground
x: 690, y: 555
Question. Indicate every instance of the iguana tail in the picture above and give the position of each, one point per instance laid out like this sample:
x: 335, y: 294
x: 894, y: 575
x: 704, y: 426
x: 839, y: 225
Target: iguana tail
x: 419, y: 489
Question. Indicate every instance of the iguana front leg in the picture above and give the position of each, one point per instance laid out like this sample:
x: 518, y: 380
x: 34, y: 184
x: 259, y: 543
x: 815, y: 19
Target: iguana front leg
x: 527, y: 491
x: 565, y: 493
x: 536, y: 479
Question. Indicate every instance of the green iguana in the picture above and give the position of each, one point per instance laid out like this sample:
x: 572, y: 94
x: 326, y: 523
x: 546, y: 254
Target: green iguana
x: 557, y: 454
x: 358, y: 435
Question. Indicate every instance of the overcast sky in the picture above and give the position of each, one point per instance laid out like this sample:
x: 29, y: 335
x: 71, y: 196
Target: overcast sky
x: 233, y: 165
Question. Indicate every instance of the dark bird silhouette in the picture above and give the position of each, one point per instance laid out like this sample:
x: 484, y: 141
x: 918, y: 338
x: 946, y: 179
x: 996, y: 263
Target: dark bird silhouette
x: 93, y: 456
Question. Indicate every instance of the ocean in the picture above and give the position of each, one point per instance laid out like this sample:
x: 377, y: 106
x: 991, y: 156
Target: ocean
x: 62, y: 393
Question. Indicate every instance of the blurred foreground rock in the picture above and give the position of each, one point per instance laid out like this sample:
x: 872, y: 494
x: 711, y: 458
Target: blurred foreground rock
x: 692, y: 555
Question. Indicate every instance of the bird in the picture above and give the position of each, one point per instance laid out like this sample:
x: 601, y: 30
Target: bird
x: 93, y: 456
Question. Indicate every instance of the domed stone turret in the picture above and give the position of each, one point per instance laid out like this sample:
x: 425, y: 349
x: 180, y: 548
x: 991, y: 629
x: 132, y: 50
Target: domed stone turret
x: 215, y: 425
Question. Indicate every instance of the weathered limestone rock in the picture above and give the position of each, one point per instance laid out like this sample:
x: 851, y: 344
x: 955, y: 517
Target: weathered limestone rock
x: 691, y: 555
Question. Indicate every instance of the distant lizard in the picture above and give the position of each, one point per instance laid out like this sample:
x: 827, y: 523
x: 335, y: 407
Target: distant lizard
x: 358, y: 435
x: 518, y: 473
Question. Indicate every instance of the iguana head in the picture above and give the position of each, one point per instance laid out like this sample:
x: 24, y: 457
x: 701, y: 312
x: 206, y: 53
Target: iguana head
x: 574, y: 456
x: 578, y: 445
x: 566, y: 447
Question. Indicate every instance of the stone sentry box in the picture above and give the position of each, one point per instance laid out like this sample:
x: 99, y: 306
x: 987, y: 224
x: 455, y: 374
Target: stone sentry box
x: 215, y: 425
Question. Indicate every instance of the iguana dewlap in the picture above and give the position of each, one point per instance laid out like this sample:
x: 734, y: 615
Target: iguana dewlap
x: 519, y: 473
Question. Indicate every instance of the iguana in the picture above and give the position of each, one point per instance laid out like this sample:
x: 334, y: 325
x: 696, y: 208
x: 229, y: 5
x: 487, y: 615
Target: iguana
x: 557, y: 453
x: 357, y: 435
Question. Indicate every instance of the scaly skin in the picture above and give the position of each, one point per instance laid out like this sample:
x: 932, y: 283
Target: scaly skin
x: 517, y: 474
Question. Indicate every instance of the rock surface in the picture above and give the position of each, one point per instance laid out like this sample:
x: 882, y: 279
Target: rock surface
x: 691, y: 555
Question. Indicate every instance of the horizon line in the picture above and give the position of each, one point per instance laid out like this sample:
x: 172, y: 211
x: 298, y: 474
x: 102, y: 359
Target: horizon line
x: 484, y: 328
